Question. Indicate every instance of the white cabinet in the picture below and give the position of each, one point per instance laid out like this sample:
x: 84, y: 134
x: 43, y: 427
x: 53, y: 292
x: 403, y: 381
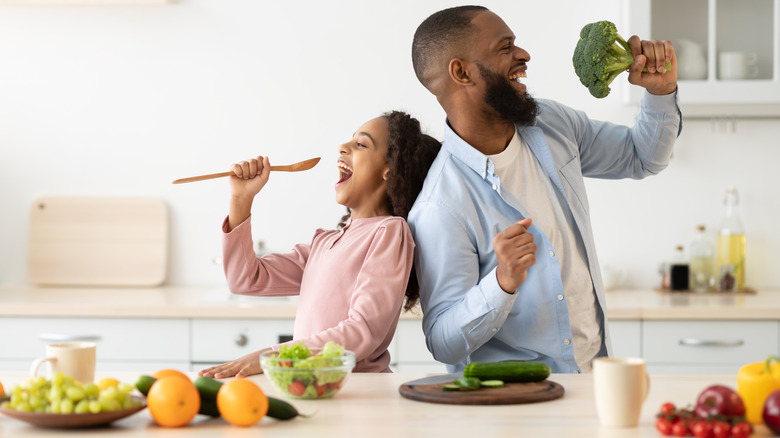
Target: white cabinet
x: 716, y: 26
x: 122, y: 343
x: 626, y: 336
x: 216, y: 341
x: 707, y: 346
x: 408, y: 351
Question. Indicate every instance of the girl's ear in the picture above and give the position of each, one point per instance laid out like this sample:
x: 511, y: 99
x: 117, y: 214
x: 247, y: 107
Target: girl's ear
x: 386, y: 173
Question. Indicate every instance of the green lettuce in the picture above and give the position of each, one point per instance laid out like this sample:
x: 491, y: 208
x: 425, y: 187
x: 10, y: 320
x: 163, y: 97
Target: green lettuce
x: 296, y: 363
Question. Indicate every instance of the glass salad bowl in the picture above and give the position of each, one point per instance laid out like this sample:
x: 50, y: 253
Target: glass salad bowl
x: 315, y: 373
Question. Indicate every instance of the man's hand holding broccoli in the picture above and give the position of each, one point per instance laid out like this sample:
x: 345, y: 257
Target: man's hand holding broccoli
x: 601, y: 55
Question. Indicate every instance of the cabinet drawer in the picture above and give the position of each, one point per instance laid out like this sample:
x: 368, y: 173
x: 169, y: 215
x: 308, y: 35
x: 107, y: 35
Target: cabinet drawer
x: 222, y: 340
x: 708, y: 342
x: 124, y: 339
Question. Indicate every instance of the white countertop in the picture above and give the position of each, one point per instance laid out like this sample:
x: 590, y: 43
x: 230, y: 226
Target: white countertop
x: 216, y: 302
x: 370, y: 406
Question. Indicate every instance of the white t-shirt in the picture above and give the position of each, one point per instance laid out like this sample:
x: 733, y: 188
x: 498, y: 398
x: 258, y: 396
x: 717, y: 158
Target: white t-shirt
x: 522, y: 175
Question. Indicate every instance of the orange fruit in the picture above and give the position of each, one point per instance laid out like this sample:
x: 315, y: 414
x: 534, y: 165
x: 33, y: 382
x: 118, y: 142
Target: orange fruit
x: 241, y: 402
x: 2, y: 390
x: 173, y: 401
x: 159, y: 374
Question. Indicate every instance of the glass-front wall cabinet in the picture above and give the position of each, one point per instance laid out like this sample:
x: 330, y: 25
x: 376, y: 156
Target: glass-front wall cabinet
x: 728, y: 52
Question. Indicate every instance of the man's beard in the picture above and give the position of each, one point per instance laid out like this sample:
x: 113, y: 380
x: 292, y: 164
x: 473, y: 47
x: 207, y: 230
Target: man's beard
x: 503, y: 98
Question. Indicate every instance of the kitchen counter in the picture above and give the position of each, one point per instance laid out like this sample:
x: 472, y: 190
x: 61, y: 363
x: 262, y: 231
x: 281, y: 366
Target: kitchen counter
x: 216, y: 302
x: 370, y: 405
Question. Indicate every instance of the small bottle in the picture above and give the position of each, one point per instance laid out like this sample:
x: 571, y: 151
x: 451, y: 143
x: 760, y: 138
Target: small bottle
x: 679, y: 272
x: 702, y: 261
x: 731, y: 242
x: 728, y: 281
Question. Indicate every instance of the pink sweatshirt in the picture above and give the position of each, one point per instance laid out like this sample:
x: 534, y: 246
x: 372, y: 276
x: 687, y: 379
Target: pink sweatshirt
x: 351, y: 283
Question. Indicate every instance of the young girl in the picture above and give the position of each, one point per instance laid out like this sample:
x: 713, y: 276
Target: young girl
x: 352, y: 280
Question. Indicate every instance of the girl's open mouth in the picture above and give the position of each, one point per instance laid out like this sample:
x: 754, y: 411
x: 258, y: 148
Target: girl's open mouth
x: 345, y: 172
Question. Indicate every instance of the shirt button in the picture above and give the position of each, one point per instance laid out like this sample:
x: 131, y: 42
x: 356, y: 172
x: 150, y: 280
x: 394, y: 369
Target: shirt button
x: 495, y: 187
x: 552, y: 253
x: 560, y: 297
x: 495, y: 330
x: 483, y: 174
x: 566, y: 341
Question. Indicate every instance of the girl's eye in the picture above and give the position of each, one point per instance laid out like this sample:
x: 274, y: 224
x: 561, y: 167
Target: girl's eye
x: 361, y: 145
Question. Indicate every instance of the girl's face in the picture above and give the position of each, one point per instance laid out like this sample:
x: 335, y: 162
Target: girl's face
x: 363, y: 169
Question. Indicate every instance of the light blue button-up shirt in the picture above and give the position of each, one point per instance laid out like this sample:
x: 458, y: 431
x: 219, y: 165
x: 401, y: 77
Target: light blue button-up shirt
x: 467, y: 316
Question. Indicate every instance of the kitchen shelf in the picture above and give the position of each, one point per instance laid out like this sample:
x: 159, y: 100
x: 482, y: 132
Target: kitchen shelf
x: 716, y: 26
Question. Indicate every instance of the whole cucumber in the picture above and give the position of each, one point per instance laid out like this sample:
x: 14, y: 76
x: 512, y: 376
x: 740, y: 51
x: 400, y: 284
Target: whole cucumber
x: 209, y: 388
x: 508, y: 371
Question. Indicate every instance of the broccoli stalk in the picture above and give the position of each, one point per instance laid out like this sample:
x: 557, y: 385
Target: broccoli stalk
x: 600, y: 56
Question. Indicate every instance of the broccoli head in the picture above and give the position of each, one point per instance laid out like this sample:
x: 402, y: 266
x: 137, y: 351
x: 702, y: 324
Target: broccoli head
x: 600, y: 56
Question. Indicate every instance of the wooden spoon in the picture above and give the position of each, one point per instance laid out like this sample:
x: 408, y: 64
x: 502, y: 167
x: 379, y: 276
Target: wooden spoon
x: 297, y: 167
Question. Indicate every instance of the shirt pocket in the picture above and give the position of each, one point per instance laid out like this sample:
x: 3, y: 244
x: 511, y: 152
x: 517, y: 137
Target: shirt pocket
x: 574, y: 187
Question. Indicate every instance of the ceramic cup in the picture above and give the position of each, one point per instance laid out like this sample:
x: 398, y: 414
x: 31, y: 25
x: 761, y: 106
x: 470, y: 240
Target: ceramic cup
x: 621, y: 386
x: 737, y: 65
x: 75, y: 359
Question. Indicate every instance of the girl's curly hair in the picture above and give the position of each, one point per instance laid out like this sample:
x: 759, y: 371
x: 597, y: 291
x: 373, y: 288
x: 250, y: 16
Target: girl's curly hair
x: 410, y: 154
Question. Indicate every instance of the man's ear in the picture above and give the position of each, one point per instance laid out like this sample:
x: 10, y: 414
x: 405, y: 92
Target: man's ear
x: 459, y: 72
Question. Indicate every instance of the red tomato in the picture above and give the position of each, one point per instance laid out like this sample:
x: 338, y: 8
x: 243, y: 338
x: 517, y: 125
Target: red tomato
x: 664, y: 426
x: 320, y: 389
x: 721, y: 429
x: 667, y: 408
x: 296, y: 388
x: 702, y: 429
x: 680, y: 428
x: 743, y: 429
x: 335, y: 385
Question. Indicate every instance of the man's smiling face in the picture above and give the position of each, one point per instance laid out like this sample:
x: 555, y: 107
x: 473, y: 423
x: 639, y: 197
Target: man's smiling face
x: 502, y: 66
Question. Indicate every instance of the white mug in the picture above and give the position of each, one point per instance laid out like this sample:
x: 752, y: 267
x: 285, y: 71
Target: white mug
x: 620, y: 386
x: 76, y: 359
x: 737, y: 65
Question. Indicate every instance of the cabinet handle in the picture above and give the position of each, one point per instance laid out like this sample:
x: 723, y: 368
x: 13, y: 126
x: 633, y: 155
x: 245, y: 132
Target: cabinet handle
x: 693, y: 342
x: 61, y: 337
x: 241, y: 340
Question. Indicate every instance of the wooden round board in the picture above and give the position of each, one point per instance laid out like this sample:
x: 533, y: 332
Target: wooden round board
x: 510, y: 393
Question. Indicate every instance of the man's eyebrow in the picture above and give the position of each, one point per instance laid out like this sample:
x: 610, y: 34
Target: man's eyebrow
x: 507, y: 39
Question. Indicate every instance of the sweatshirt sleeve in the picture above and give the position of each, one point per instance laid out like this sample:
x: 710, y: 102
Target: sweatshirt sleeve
x: 378, y: 295
x: 270, y: 275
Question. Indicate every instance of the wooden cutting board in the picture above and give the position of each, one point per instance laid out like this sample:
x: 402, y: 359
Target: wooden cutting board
x: 98, y: 241
x: 430, y: 390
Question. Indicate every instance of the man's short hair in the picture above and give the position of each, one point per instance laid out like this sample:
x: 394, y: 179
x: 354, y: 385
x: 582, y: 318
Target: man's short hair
x: 437, y: 36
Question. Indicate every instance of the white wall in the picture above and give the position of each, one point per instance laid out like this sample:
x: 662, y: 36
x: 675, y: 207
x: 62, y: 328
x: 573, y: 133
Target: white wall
x: 122, y: 100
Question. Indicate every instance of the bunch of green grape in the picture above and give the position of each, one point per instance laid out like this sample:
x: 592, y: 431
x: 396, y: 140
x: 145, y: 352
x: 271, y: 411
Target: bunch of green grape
x: 63, y: 395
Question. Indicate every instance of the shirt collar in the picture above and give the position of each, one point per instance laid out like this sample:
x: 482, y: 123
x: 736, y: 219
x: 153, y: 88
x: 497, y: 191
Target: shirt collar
x: 465, y: 152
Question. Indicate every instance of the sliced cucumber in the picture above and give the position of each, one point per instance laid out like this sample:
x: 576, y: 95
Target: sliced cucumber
x: 491, y: 383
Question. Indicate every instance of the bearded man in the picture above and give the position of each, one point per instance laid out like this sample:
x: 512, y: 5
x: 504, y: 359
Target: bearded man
x: 505, y: 255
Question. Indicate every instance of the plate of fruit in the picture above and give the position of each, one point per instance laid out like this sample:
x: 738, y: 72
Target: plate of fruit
x: 64, y: 403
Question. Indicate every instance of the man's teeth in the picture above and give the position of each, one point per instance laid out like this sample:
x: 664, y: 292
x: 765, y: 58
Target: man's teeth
x: 517, y: 76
